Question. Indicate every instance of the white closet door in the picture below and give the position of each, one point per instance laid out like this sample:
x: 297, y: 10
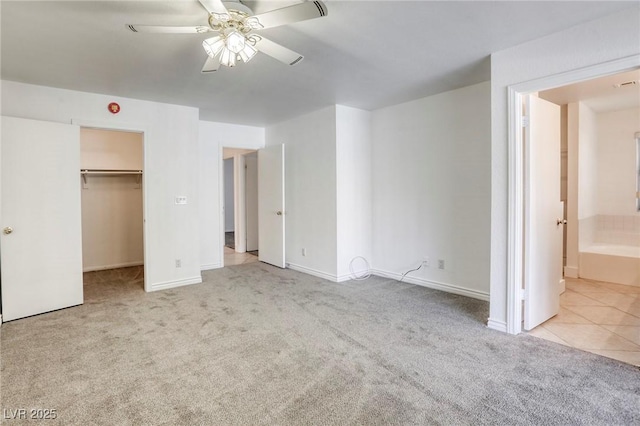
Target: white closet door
x: 41, y: 243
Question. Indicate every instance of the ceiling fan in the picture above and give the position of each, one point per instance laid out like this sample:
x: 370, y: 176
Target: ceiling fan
x: 235, y: 24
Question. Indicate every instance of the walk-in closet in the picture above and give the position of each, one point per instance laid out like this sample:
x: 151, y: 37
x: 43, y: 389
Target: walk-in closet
x: 111, y: 176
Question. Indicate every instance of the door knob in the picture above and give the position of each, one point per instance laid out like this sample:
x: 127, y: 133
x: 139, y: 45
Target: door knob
x: 561, y: 222
x: 279, y: 213
x: 7, y: 230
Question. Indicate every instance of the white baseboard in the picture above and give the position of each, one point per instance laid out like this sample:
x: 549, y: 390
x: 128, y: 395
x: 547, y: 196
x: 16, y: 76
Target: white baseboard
x: 113, y: 266
x: 211, y: 266
x: 571, y: 271
x: 497, y: 325
x: 176, y: 283
x: 449, y: 288
x: 349, y: 276
x: 313, y: 272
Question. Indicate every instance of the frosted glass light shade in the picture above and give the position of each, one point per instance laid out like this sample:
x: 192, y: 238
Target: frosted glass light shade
x: 229, y: 48
x: 235, y: 42
x: 228, y: 58
x: 213, y: 46
x: 247, y: 53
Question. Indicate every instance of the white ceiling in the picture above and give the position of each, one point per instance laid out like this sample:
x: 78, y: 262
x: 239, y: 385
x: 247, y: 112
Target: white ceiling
x: 600, y: 94
x: 365, y: 54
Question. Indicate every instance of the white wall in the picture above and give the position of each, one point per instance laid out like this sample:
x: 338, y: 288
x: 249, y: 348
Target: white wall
x: 112, y: 235
x: 310, y: 190
x: 431, y: 180
x: 354, y: 190
x: 572, y: 228
x: 587, y: 175
x: 616, y: 153
x: 587, y: 162
x: 595, y: 42
x: 171, y: 155
x: 212, y: 137
x: 228, y: 195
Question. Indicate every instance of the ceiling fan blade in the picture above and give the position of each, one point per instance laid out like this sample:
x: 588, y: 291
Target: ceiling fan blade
x: 291, y: 14
x: 167, y: 29
x: 211, y: 65
x: 277, y: 51
x: 216, y: 8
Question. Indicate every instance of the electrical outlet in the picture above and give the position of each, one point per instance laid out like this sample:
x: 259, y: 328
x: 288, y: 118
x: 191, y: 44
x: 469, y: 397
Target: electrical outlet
x: 425, y: 261
x: 440, y: 263
x: 178, y: 263
x: 304, y: 251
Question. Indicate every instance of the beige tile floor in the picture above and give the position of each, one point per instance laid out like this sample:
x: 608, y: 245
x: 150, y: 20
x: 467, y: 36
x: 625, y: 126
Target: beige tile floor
x: 233, y: 258
x: 598, y: 317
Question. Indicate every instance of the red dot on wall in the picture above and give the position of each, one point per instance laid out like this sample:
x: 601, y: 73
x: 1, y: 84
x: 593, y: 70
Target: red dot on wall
x: 114, y: 108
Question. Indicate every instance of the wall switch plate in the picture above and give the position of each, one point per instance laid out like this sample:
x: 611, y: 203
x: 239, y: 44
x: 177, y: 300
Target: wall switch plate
x: 304, y: 251
x: 425, y: 261
x: 440, y: 263
x: 181, y: 199
x: 178, y: 263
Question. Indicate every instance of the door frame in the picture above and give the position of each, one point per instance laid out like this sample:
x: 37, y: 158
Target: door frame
x: 239, y: 196
x: 517, y: 164
x: 133, y: 128
x: 223, y: 202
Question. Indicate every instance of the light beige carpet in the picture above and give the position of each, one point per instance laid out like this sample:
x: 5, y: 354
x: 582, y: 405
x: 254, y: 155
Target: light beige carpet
x: 257, y: 345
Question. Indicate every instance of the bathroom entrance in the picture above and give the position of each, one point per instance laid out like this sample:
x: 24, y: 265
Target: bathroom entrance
x: 600, y: 309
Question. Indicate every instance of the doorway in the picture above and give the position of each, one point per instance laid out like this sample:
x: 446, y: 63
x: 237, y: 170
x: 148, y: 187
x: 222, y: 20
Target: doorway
x: 600, y: 310
x: 240, y: 207
x: 229, y: 202
x: 112, y: 167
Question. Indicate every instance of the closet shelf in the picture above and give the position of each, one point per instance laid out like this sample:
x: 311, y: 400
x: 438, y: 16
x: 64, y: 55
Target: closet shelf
x: 97, y: 172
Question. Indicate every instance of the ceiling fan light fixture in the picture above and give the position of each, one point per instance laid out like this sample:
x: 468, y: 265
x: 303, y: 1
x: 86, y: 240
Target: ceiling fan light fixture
x: 234, y: 23
x: 228, y: 58
x: 247, y: 53
x: 235, y: 42
x: 213, y: 46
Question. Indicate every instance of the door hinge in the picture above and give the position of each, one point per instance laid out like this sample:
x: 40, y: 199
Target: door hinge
x: 525, y: 121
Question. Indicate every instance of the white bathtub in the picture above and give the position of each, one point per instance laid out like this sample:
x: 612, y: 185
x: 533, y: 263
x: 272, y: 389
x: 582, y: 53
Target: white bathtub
x: 611, y: 263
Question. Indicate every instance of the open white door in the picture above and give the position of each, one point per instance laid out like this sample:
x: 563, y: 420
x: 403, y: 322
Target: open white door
x: 271, y: 205
x: 251, y: 195
x: 543, y: 213
x: 41, y: 242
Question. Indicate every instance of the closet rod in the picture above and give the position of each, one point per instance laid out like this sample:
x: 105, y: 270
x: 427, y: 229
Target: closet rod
x: 110, y: 172
x: 85, y: 172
